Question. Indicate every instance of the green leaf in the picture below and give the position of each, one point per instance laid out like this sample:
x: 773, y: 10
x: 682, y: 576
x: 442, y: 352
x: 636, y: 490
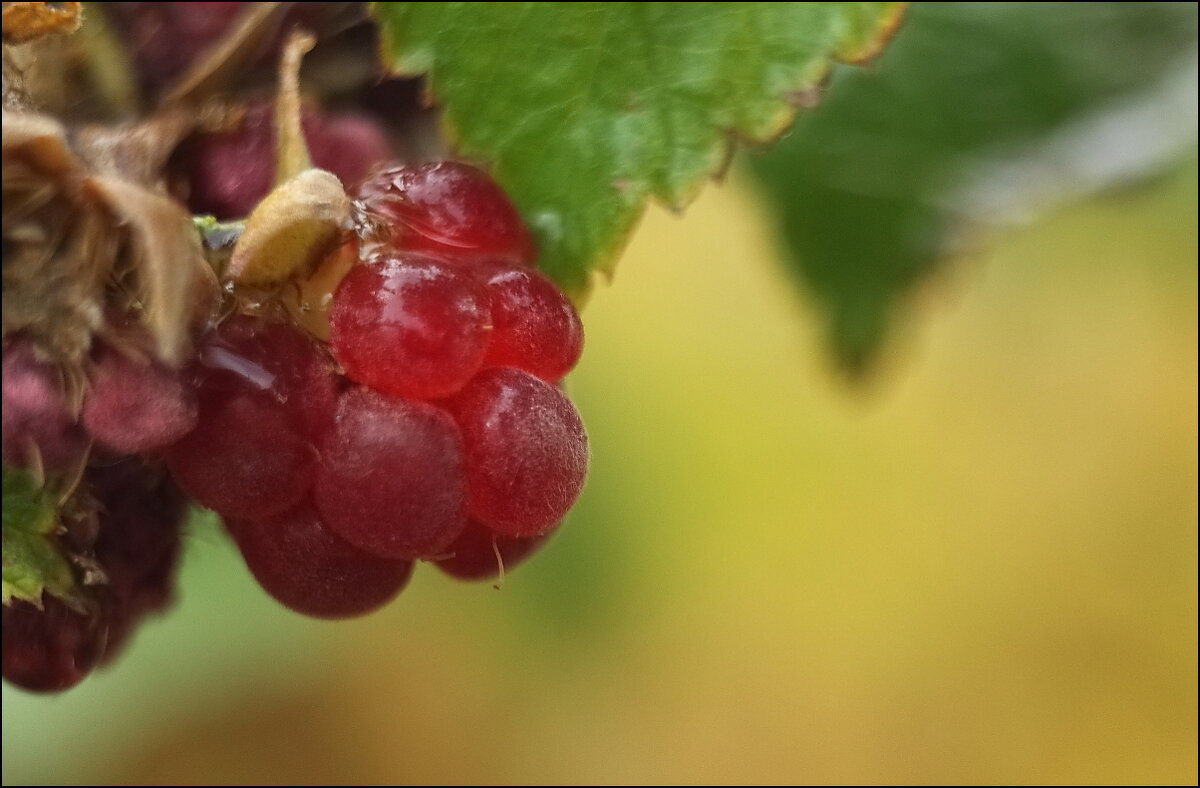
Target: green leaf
x: 973, y: 100
x: 585, y: 110
x: 32, y: 561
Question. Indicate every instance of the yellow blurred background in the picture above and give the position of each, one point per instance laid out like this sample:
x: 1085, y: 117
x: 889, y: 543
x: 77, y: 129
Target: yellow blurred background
x: 981, y: 568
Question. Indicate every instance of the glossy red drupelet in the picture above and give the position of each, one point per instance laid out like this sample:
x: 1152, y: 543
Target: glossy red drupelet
x: 410, y: 326
x: 534, y: 327
x: 445, y: 209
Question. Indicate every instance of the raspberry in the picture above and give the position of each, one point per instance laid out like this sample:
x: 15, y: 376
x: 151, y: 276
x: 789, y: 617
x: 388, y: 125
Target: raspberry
x: 51, y: 649
x: 267, y: 396
x: 38, y: 427
x: 445, y: 209
x: 526, y: 451
x: 473, y: 554
x: 410, y: 326
x: 534, y: 327
x: 248, y: 354
x: 229, y: 172
x: 245, y: 458
x: 307, y: 567
x: 391, y: 477
x: 446, y: 439
x: 136, y: 406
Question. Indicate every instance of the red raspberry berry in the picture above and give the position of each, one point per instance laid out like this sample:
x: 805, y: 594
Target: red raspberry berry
x: 38, y: 427
x: 445, y: 209
x: 134, y: 405
x: 304, y: 565
x: 137, y: 545
x: 534, y: 327
x: 391, y: 476
x: 267, y: 396
x: 410, y: 326
x: 140, y: 524
x: 251, y: 354
x: 245, y: 459
x: 526, y: 451
x: 167, y: 37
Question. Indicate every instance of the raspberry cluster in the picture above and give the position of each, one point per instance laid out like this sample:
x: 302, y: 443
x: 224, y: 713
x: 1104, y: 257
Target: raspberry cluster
x: 429, y: 428
x: 401, y: 402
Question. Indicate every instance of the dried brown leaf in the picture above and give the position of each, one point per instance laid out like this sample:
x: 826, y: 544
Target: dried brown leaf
x: 58, y: 247
x: 135, y: 152
x: 28, y: 21
x: 175, y: 286
x: 72, y: 238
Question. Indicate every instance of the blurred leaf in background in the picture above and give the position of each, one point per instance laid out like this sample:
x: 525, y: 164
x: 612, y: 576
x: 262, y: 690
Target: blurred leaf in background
x: 976, y: 111
x: 586, y: 110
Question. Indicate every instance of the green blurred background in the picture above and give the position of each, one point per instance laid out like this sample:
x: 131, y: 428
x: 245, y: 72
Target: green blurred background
x: 978, y: 564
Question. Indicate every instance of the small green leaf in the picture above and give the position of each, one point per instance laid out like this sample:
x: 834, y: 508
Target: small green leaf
x: 32, y: 561
x: 586, y: 110
x: 872, y: 190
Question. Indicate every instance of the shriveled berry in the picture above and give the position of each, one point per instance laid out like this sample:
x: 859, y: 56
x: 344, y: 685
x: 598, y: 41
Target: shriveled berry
x: 51, y: 649
x: 391, y: 476
x: 249, y: 354
x: 136, y: 405
x: 473, y: 556
x: 534, y: 327
x: 446, y: 209
x: 304, y: 565
x: 410, y: 326
x: 139, y: 534
x: 38, y: 427
x: 140, y: 515
x: 246, y: 458
x: 526, y: 451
